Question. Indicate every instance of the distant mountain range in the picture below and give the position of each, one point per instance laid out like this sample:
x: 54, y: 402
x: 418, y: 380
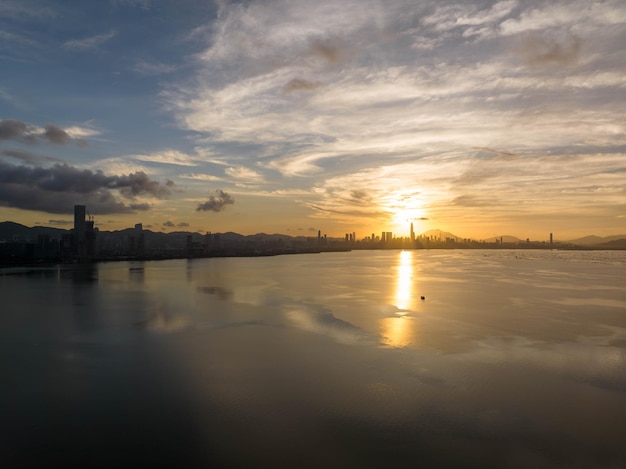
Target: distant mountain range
x: 10, y: 231
x: 585, y: 241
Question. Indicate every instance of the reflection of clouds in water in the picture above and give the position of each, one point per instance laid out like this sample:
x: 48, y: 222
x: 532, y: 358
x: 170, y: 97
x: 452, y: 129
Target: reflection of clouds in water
x: 221, y: 292
x: 317, y: 319
x: 162, y: 322
x: 602, y: 366
x: 591, y: 302
x: 615, y: 336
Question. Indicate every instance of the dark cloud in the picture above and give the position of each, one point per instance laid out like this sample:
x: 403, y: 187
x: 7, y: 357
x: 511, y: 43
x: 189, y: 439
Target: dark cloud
x: 216, y: 203
x: 55, y: 134
x: 329, y: 52
x: 58, y: 188
x: 140, y: 207
x: 60, y: 222
x: 169, y: 224
x: 11, y: 129
x: 540, y: 50
x: 183, y: 224
x: 300, y: 84
x: 65, y: 178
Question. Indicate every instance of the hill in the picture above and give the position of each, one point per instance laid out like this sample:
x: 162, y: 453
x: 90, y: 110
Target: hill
x: 438, y: 234
x: 594, y: 240
x: 504, y: 238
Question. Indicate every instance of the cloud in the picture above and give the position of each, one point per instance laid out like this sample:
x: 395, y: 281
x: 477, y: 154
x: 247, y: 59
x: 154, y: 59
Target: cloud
x: 153, y: 68
x: 12, y: 129
x: 18, y: 9
x: 216, y: 203
x: 144, y: 4
x: 182, y: 224
x: 58, y: 188
x: 172, y: 157
x: 169, y: 224
x: 545, y: 50
x: 244, y: 174
x: 60, y: 222
x: 29, y: 157
x: 82, y: 131
x: 55, y: 134
x: 329, y: 52
x: 300, y: 84
x: 352, y: 101
x: 89, y: 42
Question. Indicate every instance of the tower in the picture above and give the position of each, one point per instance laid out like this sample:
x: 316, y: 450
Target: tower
x: 80, y: 228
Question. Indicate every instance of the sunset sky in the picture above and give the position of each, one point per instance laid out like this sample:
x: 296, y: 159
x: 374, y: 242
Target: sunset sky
x: 482, y: 118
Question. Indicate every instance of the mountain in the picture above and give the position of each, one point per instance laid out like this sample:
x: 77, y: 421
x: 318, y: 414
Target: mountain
x: 615, y: 244
x: 438, y: 234
x: 595, y: 240
x: 505, y: 239
x: 10, y: 231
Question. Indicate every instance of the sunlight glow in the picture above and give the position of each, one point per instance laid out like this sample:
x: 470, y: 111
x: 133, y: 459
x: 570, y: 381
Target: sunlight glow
x: 404, y: 280
x: 398, y: 331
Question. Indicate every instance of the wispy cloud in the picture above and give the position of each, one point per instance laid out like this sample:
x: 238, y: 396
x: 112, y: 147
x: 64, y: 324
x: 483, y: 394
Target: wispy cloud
x: 405, y: 96
x: 170, y: 157
x: 17, y: 9
x: 90, y: 42
x: 244, y: 174
x: 153, y: 68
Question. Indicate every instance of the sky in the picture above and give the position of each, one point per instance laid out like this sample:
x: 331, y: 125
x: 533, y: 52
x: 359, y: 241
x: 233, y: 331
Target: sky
x: 481, y: 118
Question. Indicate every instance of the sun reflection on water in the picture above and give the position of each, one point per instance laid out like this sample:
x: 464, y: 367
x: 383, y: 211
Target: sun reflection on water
x: 398, y: 331
x: 404, y: 280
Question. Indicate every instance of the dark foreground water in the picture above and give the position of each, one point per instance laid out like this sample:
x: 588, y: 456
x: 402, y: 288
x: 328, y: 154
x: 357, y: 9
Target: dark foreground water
x: 513, y: 359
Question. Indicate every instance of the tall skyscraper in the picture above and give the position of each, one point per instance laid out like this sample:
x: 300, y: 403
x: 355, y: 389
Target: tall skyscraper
x: 79, y: 221
x: 79, y: 231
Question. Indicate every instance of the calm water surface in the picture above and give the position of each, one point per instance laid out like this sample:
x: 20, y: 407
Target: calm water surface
x: 512, y: 359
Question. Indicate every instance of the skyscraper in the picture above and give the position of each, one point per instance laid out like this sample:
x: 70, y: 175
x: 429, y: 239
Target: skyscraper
x: 78, y: 246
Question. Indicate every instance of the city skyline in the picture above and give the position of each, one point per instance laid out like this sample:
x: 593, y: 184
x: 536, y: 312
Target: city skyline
x: 483, y: 118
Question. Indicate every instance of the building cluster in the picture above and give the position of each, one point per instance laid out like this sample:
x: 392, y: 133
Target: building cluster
x: 84, y: 243
x: 77, y: 245
x: 80, y: 243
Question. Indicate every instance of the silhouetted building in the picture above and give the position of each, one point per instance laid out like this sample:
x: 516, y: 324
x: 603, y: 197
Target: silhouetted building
x: 137, y: 243
x: 83, y: 235
x: 78, y: 247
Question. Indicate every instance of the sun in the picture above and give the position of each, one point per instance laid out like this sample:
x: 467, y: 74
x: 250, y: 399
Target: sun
x: 403, y: 217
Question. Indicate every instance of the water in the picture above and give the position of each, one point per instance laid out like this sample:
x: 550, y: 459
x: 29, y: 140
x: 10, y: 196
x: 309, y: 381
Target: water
x: 512, y: 359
